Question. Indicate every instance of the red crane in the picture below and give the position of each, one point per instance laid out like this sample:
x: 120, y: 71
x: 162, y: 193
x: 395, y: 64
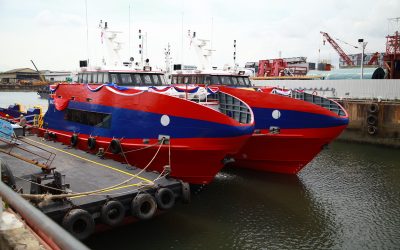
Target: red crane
x: 339, y: 50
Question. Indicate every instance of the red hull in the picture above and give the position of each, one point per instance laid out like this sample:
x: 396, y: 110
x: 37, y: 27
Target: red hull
x: 196, y: 161
x: 287, y: 152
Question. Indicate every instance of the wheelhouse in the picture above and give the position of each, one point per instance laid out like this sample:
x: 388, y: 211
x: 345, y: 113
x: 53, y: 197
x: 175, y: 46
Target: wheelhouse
x: 210, y: 79
x: 122, y: 78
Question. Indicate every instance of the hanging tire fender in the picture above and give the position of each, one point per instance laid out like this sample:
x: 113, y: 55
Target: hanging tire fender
x: 115, y: 146
x: 165, y: 198
x: 91, y: 143
x: 74, y: 140
x: 373, y: 108
x: 143, y: 206
x: 79, y: 223
x: 112, y: 213
x: 372, y: 130
x: 372, y: 119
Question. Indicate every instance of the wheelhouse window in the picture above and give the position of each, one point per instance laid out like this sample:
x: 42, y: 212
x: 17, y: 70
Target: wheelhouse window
x: 114, y: 78
x: 94, y: 78
x: 126, y: 79
x: 80, y: 78
x: 95, y: 119
x: 105, y: 79
x: 146, y: 79
x: 99, y: 77
x: 85, y: 78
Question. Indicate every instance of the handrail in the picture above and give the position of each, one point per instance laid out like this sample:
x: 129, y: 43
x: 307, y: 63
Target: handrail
x: 53, y: 234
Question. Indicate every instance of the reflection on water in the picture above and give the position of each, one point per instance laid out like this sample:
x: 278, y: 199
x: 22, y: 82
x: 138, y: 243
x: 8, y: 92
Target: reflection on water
x: 347, y: 198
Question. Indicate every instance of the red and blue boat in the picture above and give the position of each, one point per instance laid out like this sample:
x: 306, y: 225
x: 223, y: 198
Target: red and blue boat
x: 291, y: 127
x: 147, y: 129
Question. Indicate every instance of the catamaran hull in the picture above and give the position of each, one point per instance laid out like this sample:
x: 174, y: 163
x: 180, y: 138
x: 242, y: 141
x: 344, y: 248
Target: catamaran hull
x: 286, y: 153
x: 197, y: 138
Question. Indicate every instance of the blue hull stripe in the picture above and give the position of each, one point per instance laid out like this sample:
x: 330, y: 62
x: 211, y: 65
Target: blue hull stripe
x: 138, y: 124
x: 290, y: 119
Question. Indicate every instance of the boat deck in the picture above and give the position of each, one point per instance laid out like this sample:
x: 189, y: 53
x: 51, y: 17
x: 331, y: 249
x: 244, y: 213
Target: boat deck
x: 84, y: 172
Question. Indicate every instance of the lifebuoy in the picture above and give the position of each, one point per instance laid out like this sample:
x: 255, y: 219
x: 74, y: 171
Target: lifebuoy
x: 74, y: 140
x: 372, y: 130
x: 112, y: 213
x: 6, y: 175
x: 115, y: 146
x: 143, y: 206
x: 79, y: 223
x: 372, y: 119
x: 91, y: 143
x: 165, y: 198
x: 373, y: 108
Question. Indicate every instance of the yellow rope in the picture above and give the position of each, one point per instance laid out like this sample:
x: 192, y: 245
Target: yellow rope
x: 97, y: 163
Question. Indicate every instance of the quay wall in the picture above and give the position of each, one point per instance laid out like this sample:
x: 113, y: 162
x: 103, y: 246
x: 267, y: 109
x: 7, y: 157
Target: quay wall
x: 381, y: 127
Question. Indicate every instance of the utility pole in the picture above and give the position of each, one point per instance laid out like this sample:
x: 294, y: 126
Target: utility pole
x: 363, y: 45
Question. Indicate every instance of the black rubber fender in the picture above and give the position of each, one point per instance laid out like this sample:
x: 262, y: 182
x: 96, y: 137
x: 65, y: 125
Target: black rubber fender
x: 165, y: 198
x: 6, y: 174
x: 91, y: 143
x: 372, y: 119
x: 373, y: 108
x: 143, y: 206
x: 112, y: 213
x: 115, y: 146
x: 372, y: 130
x: 74, y: 140
x: 79, y: 223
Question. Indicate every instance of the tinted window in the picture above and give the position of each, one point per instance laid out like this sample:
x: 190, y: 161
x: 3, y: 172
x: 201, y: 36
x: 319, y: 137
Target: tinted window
x: 136, y: 79
x: 126, y: 79
x: 241, y: 81
x: 174, y: 80
x: 85, y: 78
x: 94, y: 77
x: 234, y: 80
x: 105, y: 80
x: 156, y: 80
x: 114, y: 78
x: 215, y: 80
x: 146, y: 79
x: 80, y: 78
x: 95, y: 119
x: 99, y: 77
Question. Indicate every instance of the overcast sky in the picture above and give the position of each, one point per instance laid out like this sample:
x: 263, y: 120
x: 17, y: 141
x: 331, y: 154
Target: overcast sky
x: 53, y: 32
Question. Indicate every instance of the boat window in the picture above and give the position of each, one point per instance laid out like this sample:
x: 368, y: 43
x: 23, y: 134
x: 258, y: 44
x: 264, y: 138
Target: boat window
x: 146, y: 79
x: 247, y: 81
x: 85, y: 78
x: 234, y: 80
x: 208, y: 80
x: 163, y: 81
x: 226, y: 80
x: 80, y: 78
x: 215, y: 80
x: 241, y: 81
x: 99, y: 77
x: 126, y: 79
x: 95, y: 119
x: 185, y: 79
x: 200, y: 79
x: 136, y: 79
x: 156, y: 80
x: 174, y: 80
x: 105, y: 80
x: 180, y: 79
x: 114, y: 78
x: 94, y: 78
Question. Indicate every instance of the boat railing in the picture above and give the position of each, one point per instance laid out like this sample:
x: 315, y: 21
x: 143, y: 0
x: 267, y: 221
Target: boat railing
x: 234, y: 108
x: 315, y: 99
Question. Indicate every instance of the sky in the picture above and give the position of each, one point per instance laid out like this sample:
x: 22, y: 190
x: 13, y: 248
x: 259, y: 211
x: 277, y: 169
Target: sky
x: 56, y: 34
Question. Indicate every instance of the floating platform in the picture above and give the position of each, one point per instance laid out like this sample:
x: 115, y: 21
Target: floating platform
x: 98, y: 193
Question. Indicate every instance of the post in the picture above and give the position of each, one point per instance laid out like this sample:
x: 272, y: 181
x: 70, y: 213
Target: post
x: 363, y: 45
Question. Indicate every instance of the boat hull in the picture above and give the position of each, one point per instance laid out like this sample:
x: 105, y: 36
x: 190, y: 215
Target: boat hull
x: 198, y: 139
x: 302, y: 129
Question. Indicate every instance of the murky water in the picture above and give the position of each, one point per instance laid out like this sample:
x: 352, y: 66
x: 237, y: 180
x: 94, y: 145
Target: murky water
x: 347, y: 198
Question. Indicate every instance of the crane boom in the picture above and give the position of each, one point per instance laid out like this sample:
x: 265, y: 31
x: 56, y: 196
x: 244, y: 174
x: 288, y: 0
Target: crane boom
x: 339, y: 50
